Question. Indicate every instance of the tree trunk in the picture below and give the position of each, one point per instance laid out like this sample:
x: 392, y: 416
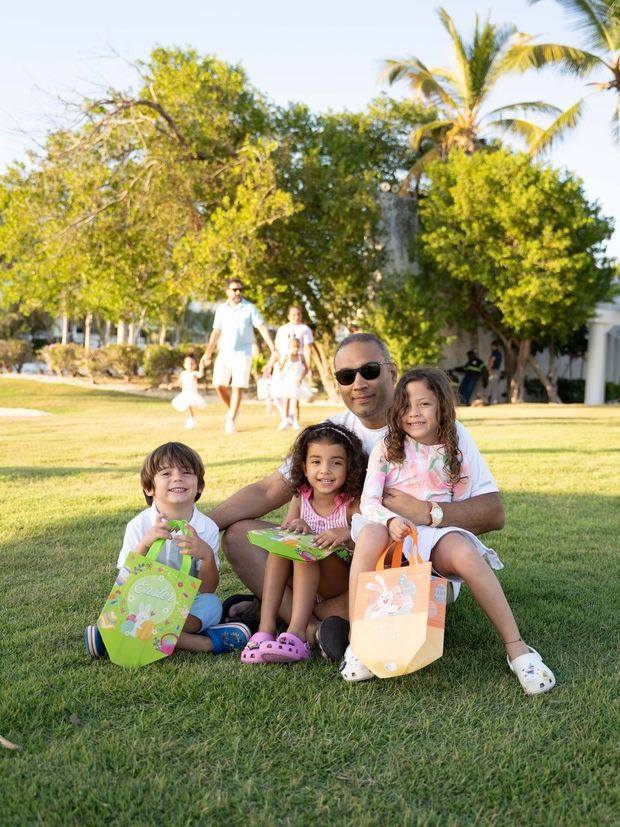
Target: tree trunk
x: 120, y: 332
x: 162, y: 334
x: 517, y: 380
x: 552, y: 372
x: 65, y: 330
x: 107, y: 330
x: 322, y: 362
x: 88, y: 324
x: 134, y: 329
x: 550, y: 387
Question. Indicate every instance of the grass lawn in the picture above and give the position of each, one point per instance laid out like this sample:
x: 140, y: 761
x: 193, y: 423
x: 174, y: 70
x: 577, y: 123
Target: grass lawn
x: 205, y: 740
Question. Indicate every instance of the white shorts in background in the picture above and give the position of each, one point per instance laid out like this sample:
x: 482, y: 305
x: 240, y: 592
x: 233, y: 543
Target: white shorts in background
x: 232, y: 369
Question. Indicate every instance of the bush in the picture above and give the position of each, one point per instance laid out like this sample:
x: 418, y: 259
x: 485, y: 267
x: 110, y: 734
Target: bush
x: 535, y: 390
x: 612, y: 392
x: 64, y: 358
x: 98, y: 362
x: 123, y: 360
x: 14, y: 353
x: 161, y: 361
x: 572, y: 390
x: 569, y: 390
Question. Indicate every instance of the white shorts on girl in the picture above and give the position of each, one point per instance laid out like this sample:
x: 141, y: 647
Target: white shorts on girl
x: 428, y: 538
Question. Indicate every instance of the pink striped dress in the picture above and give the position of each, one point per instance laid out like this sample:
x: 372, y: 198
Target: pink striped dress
x: 318, y: 523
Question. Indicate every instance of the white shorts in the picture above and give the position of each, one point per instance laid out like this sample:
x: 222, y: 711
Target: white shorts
x: 232, y: 369
x: 427, y: 540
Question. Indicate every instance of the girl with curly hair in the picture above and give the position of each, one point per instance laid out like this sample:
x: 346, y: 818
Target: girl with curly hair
x: 420, y: 455
x: 327, y: 470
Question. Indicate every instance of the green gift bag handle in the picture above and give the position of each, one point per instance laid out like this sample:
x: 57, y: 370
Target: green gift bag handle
x: 186, y: 560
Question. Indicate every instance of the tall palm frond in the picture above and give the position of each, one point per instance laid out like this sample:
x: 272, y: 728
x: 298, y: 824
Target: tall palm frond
x: 459, y: 93
x: 422, y: 80
x: 599, y: 21
x: 538, y: 55
x: 556, y: 130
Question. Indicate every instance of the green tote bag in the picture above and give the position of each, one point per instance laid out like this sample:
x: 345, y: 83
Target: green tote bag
x: 147, y: 607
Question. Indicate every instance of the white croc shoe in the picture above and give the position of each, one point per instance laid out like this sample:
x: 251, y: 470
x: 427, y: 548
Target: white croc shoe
x: 352, y: 669
x: 534, y: 677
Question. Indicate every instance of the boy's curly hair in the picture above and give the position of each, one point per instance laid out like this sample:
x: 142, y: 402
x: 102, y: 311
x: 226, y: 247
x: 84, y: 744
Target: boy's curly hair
x: 439, y: 384
x: 171, y: 453
x: 332, y: 434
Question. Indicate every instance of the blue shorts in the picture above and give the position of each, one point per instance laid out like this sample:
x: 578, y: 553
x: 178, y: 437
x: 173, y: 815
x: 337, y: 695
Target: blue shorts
x: 208, y: 609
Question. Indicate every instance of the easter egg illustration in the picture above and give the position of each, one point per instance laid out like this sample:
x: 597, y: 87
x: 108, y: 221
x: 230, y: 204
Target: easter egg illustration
x: 167, y: 643
x: 127, y: 627
x: 305, y: 555
x: 145, y: 631
x: 107, y: 620
x: 122, y: 575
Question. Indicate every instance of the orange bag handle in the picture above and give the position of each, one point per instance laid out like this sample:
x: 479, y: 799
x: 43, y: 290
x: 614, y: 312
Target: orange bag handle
x: 396, y: 548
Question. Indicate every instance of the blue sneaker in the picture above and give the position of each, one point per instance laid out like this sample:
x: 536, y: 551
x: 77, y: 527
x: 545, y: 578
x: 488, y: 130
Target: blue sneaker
x: 228, y: 637
x: 95, y: 647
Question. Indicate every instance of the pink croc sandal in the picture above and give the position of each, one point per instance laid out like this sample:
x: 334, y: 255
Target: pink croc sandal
x: 287, y: 648
x: 252, y: 652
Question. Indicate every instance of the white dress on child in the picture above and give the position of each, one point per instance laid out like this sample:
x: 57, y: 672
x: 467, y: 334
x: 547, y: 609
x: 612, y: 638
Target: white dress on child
x: 189, y: 396
x: 289, y: 386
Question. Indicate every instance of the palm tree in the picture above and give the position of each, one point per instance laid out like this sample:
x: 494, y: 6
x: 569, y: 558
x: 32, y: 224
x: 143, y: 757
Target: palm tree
x: 459, y: 94
x: 599, y: 20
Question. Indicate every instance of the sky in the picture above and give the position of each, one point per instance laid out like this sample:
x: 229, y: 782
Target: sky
x: 327, y: 54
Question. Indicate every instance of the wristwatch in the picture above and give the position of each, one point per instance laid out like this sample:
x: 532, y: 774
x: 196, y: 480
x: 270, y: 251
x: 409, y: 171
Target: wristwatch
x: 436, y: 515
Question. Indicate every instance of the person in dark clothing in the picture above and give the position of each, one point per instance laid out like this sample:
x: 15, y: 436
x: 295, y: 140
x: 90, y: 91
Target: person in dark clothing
x: 494, y: 364
x: 473, y: 370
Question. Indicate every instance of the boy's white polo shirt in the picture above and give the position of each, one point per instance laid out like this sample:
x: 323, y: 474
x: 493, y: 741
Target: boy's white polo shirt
x: 205, y: 528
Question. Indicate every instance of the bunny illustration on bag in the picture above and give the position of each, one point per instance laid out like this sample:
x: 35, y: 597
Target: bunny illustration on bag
x: 387, y: 602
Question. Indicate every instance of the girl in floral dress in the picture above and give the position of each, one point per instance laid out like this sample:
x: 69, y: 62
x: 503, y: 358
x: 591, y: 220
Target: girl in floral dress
x: 420, y: 455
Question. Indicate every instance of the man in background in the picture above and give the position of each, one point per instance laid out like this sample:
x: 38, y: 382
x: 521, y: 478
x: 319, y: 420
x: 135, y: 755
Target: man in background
x: 233, y: 335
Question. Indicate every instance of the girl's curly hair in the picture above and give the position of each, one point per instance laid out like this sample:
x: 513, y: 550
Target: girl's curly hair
x: 438, y: 383
x: 332, y: 434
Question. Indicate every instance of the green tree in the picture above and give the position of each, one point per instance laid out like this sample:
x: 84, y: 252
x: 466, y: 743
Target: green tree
x: 154, y: 200
x: 516, y: 246
x: 599, y: 21
x: 460, y: 94
x: 327, y: 255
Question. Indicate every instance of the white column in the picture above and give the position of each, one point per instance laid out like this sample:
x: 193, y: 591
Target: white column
x: 597, y: 354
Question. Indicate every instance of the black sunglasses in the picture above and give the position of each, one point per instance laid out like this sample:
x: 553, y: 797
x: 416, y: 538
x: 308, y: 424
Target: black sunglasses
x: 369, y: 370
x: 236, y: 289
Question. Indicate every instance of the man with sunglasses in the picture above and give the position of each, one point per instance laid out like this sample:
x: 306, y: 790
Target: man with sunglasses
x: 233, y: 336
x: 366, y: 376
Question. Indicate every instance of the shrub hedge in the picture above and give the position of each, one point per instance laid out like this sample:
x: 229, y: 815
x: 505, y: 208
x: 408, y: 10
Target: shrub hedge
x: 14, y: 353
x: 158, y: 363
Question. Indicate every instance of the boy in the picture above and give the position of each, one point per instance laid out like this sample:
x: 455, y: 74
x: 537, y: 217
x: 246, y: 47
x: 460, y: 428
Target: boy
x: 172, y: 479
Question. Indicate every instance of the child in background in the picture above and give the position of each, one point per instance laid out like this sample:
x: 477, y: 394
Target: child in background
x: 420, y: 455
x: 189, y: 399
x: 288, y: 383
x: 328, y: 464
x: 172, y: 479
